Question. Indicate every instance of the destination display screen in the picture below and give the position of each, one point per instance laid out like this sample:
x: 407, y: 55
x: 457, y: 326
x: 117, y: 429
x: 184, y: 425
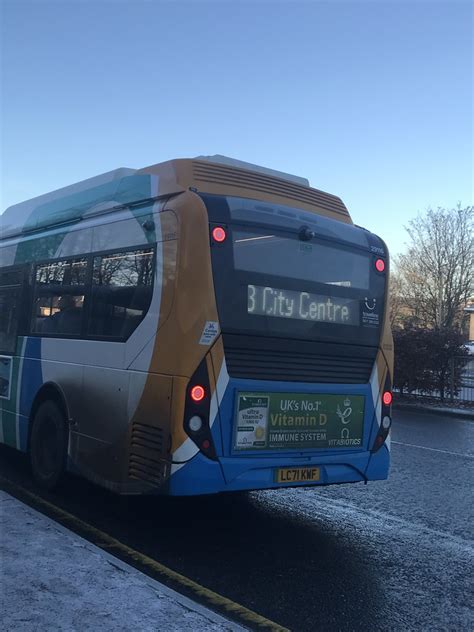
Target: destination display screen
x: 270, y: 301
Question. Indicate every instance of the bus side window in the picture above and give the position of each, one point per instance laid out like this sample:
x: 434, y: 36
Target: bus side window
x: 59, y: 297
x: 122, y: 285
x: 10, y: 296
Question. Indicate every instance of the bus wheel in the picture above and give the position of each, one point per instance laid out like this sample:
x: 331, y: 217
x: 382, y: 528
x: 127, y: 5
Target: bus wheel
x: 48, y: 445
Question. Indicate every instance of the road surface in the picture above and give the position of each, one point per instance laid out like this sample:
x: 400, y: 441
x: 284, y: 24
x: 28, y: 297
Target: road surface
x: 392, y: 555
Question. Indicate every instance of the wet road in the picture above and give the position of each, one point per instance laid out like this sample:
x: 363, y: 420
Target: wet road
x: 392, y: 555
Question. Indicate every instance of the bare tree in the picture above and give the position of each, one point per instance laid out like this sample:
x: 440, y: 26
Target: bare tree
x: 396, y: 300
x: 437, y: 271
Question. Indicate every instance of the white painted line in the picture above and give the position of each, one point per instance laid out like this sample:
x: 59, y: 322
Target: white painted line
x: 451, y: 420
x: 335, y: 509
x: 385, y: 519
x: 424, y: 447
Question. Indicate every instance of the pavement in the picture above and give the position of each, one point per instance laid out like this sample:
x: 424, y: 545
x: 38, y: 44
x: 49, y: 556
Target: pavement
x: 52, y: 579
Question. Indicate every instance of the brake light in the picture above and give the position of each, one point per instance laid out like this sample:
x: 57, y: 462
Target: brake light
x: 380, y: 265
x: 197, y: 411
x: 218, y: 234
x: 387, y: 398
x: 198, y: 393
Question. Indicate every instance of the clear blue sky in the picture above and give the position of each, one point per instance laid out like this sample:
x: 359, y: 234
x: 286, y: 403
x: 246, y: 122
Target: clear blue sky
x: 370, y: 100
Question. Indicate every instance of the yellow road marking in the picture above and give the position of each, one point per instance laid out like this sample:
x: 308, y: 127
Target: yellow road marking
x: 107, y: 542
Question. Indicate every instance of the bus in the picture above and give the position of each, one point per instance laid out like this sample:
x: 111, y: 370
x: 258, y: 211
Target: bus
x: 198, y: 326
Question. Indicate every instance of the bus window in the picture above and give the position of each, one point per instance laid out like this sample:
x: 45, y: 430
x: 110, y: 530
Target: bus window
x: 10, y: 290
x: 262, y: 252
x: 122, y: 284
x: 59, y: 297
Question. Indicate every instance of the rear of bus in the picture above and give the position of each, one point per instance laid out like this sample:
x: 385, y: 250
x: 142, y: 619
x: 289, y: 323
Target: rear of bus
x: 295, y: 388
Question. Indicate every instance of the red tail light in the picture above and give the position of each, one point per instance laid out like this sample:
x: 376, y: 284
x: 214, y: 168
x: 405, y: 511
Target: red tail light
x: 218, y: 234
x: 380, y: 265
x: 387, y: 398
x: 198, y: 393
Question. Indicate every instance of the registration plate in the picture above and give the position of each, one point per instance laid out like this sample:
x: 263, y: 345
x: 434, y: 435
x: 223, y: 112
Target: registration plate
x: 297, y: 474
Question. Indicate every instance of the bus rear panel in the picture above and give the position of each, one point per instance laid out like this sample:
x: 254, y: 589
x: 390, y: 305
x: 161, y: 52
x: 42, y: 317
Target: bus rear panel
x: 295, y: 358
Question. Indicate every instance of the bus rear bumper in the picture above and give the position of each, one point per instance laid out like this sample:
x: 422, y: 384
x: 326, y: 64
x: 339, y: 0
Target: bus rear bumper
x: 231, y: 474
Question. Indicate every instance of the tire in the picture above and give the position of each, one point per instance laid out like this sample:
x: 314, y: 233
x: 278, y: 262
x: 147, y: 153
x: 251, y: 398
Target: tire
x: 48, y: 445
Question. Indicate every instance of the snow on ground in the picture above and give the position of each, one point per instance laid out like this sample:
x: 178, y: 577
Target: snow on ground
x: 51, y: 579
